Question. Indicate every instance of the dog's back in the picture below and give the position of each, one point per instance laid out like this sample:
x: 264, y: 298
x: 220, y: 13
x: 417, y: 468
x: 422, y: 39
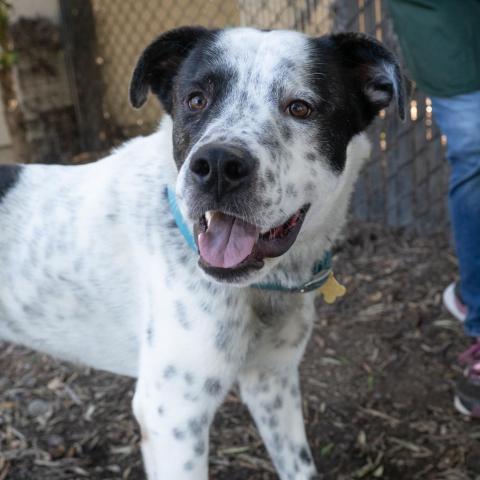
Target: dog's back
x: 61, y: 240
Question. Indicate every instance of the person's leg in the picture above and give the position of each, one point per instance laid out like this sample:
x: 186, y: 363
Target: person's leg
x: 459, y: 118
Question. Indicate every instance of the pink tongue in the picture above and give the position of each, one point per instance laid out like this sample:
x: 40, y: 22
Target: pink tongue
x: 227, y: 241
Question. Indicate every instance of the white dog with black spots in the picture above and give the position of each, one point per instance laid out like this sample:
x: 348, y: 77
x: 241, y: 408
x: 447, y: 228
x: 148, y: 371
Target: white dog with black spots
x: 186, y: 258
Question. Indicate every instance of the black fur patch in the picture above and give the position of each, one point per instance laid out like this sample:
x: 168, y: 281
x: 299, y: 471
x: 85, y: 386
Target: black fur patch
x: 305, y: 456
x: 157, y: 67
x: 349, y: 72
x: 9, y: 175
x: 198, y: 75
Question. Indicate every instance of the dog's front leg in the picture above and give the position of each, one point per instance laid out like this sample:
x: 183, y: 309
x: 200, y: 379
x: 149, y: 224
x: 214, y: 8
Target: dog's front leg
x: 174, y: 404
x: 275, y: 403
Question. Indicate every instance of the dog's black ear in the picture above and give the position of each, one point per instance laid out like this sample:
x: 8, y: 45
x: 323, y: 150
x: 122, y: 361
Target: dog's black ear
x: 159, y: 63
x: 373, y: 69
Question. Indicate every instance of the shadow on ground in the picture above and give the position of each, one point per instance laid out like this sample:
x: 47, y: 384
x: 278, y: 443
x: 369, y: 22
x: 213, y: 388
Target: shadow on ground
x: 377, y: 381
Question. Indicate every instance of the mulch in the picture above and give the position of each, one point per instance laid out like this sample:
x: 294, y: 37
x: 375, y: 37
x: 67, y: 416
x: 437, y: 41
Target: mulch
x: 377, y: 379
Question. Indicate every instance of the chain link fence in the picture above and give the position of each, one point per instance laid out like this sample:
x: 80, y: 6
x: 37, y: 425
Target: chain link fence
x: 403, y: 184
x: 406, y: 180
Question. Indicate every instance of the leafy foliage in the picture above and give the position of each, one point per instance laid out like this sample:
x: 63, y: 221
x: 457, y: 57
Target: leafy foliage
x: 7, y: 55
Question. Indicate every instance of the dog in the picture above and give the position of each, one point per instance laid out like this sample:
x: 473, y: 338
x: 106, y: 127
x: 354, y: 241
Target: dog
x: 189, y: 258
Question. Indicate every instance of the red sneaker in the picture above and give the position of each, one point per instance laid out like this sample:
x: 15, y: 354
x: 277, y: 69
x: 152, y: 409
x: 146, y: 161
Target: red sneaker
x: 467, y: 392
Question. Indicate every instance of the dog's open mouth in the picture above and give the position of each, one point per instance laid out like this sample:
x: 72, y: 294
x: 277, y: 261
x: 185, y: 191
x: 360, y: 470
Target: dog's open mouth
x: 230, y: 246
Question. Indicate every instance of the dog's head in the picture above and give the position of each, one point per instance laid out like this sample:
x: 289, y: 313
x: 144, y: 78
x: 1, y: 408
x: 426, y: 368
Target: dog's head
x: 261, y: 125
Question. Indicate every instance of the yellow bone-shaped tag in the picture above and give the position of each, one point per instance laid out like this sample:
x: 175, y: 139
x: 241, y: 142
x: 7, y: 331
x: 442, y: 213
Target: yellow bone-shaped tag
x: 331, y: 289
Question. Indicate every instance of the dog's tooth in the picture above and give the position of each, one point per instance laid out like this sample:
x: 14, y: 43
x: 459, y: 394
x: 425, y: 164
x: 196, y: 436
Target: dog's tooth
x: 208, y: 217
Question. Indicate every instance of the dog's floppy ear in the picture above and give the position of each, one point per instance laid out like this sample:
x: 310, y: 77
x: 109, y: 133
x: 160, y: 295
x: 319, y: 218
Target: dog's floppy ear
x: 159, y: 63
x: 373, y: 69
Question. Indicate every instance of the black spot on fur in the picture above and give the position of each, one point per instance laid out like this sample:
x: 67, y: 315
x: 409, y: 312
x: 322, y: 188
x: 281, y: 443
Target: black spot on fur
x: 286, y: 132
x: 265, y: 387
x: 270, y: 176
x: 277, y: 442
x: 267, y: 140
x: 169, y: 372
x: 206, y: 307
x: 181, y: 315
x: 178, y: 434
x: 268, y: 408
x: 277, y: 93
x: 211, y: 288
x: 33, y: 310
x: 291, y: 191
x: 199, y: 448
x: 213, y: 386
x: 171, y: 224
x: 191, y: 397
x: 286, y: 64
x: 150, y: 332
x: 294, y: 391
x: 9, y: 175
x: 305, y: 456
x: 224, y: 336
x: 183, y: 259
x: 273, y: 421
x: 195, y: 427
x: 277, y: 403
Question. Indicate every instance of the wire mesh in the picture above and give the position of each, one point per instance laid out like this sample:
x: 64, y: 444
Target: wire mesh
x: 406, y: 179
x: 123, y: 30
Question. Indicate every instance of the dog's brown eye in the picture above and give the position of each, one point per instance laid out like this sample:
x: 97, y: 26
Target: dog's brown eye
x: 197, y: 101
x: 299, y: 109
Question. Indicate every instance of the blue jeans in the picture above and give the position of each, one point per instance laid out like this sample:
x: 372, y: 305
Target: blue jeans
x: 459, y: 118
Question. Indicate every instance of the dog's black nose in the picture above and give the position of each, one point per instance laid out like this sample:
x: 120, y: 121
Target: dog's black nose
x: 220, y: 169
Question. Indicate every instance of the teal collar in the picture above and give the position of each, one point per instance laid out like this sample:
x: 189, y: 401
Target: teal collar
x: 177, y: 215
x: 320, y: 272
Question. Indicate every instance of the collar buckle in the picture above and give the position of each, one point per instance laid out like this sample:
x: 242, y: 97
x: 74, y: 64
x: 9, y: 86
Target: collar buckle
x: 317, y: 281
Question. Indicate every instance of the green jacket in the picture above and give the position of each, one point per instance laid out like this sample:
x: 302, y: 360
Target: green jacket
x: 440, y: 41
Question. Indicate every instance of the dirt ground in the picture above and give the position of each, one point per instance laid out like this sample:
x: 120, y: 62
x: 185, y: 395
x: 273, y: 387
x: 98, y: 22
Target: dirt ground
x: 377, y: 381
